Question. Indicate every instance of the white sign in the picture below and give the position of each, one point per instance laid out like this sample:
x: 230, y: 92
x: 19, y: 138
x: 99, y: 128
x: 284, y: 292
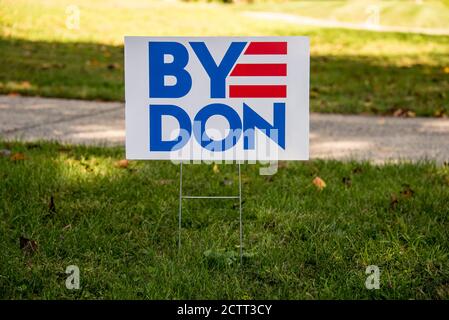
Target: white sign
x: 217, y: 98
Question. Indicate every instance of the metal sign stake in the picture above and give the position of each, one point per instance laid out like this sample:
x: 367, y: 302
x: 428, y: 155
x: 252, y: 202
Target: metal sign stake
x: 239, y: 197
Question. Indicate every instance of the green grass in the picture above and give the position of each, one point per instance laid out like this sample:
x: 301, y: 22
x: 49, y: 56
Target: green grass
x: 405, y: 13
x: 119, y: 225
x: 351, y: 71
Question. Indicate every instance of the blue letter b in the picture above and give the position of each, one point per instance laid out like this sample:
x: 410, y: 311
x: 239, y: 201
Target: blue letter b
x: 159, y: 69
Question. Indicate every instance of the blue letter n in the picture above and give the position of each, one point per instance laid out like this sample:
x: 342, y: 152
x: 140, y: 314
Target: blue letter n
x: 252, y: 120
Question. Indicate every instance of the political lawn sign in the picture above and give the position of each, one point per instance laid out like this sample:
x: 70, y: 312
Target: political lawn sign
x: 217, y: 98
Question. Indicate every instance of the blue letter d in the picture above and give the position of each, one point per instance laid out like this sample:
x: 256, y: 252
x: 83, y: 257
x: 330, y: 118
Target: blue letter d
x: 156, y: 113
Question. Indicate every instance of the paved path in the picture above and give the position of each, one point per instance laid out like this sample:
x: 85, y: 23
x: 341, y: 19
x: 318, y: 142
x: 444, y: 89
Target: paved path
x: 331, y: 136
x: 324, y: 23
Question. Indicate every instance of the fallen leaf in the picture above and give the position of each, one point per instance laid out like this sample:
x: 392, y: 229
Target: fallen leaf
x: 24, y: 85
x: 398, y: 113
x: 216, y: 169
x: 404, y: 113
x: 45, y: 66
x: 18, y: 156
x: 67, y: 227
x: 122, y: 164
x: 92, y: 63
x: 27, y: 245
x: 407, y: 192
x: 440, y: 113
x: 319, y: 183
x: 411, y: 114
x: 113, y: 66
x: 446, y: 69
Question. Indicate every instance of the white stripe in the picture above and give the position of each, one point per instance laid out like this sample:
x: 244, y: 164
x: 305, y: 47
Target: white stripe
x: 262, y: 58
x: 256, y: 80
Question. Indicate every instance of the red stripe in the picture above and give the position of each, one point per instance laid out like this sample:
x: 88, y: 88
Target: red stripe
x: 257, y: 91
x: 259, y: 69
x: 266, y: 48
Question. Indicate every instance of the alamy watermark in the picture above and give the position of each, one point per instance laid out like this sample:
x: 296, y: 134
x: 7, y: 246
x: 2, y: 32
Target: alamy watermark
x: 72, y: 22
x: 373, y: 280
x: 73, y: 280
x: 217, y: 146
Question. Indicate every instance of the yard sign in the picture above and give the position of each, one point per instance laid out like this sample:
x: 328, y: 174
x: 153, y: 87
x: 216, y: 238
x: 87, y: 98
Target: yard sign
x: 217, y: 98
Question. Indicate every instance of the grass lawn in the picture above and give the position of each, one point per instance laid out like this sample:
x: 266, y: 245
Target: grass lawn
x: 405, y: 13
x: 66, y: 205
x: 351, y: 71
x: 119, y: 225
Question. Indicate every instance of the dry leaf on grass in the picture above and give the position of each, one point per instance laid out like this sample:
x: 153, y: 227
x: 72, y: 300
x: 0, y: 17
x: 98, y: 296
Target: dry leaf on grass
x: 18, y: 156
x: 404, y: 113
x: 92, y: 63
x: 411, y: 114
x: 440, y: 113
x: 113, y: 66
x: 319, y: 183
x: 122, y: 164
x: 407, y: 192
x: 216, y: 169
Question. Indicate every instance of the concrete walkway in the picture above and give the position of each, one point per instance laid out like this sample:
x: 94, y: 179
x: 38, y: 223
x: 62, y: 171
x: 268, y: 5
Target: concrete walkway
x: 331, y: 136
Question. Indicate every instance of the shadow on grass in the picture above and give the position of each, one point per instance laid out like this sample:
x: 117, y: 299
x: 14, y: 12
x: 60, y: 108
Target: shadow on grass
x: 119, y: 225
x: 340, y: 84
